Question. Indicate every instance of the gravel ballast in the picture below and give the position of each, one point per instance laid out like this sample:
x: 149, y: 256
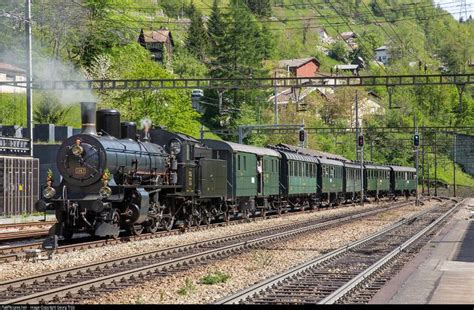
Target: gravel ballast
x: 21, y: 268
x: 253, y: 266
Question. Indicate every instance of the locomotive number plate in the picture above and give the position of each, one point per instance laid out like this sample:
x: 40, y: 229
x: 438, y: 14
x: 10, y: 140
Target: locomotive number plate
x: 80, y: 170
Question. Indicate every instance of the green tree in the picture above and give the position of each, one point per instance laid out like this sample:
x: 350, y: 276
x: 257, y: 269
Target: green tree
x: 215, y: 29
x: 367, y: 42
x: 241, y: 52
x: 48, y: 110
x: 197, y: 41
x: 339, y: 51
x: 169, y: 108
x: 261, y: 8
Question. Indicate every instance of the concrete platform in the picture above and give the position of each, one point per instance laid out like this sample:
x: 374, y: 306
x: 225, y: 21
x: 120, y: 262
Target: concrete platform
x: 443, y: 272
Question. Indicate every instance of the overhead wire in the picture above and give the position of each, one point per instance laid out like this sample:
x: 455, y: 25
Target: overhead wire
x: 361, y: 41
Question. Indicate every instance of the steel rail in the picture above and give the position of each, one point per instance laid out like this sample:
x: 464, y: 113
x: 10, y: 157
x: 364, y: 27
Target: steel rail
x: 25, y: 224
x: 213, y: 253
x: 23, y: 234
x: 293, y: 272
x: 345, y: 289
x: 13, y: 253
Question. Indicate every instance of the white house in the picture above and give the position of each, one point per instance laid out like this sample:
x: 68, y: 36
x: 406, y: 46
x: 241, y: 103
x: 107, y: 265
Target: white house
x: 11, y: 73
x: 382, y: 54
x: 369, y: 105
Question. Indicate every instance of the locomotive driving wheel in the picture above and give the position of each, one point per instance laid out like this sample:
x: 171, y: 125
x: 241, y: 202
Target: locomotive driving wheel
x: 167, y: 222
x: 136, y: 229
x: 197, y: 217
x: 153, y: 226
x: 207, y: 217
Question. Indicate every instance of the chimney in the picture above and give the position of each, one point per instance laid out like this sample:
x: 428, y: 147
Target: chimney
x: 88, y: 118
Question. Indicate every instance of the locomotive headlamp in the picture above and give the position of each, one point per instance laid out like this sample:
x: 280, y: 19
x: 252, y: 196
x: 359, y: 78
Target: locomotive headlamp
x: 49, y: 192
x: 105, y: 192
x: 77, y: 150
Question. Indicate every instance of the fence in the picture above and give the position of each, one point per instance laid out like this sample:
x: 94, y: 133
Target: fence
x: 461, y: 191
x: 19, y: 187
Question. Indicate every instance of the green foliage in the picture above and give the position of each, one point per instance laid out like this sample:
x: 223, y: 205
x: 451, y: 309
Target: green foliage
x: 168, y: 108
x: 188, y: 288
x: 48, y: 110
x: 186, y: 65
x: 215, y: 29
x: 214, y: 278
x: 339, y: 51
x: 261, y: 8
x: 13, y: 109
x: 197, y: 41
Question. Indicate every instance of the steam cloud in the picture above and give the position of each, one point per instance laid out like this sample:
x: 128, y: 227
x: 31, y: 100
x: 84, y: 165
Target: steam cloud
x: 47, y: 69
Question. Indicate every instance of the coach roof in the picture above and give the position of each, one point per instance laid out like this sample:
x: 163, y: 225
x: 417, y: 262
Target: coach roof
x: 403, y: 169
x: 236, y: 147
x: 299, y: 157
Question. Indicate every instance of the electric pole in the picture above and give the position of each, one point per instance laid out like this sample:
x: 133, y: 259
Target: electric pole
x: 359, y: 147
x: 416, y: 144
x: 276, y: 100
x: 454, y: 165
x: 29, y: 77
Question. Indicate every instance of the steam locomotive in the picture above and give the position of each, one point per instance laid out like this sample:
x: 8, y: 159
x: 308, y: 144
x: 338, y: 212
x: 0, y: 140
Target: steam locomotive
x: 115, y: 177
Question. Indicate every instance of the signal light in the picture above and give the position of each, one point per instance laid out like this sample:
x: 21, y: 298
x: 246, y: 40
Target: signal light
x: 416, y: 140
x: 302, y: 135
x: 360, y: 141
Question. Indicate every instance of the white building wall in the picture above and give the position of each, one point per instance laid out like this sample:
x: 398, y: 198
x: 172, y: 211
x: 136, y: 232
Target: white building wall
x: 8, y: 76
x: 382, y: 56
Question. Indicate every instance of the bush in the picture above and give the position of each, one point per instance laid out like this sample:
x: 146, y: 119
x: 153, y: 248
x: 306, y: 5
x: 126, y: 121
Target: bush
x: 214, y: 278
x: 188, y: 288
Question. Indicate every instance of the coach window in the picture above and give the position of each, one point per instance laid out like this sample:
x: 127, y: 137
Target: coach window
x: 238, y: 162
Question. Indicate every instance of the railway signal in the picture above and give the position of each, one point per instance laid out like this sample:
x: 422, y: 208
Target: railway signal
x: 416, y: 140
x: 360, y: 141
x: 302, y: 135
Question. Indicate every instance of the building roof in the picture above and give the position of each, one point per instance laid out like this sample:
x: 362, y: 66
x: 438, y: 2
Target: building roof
x: 348, y: 35
x: 157, y: 36
x: 296, y: 62
x: 346, y: 67
x: 382, y: 48
x: 4, y: 67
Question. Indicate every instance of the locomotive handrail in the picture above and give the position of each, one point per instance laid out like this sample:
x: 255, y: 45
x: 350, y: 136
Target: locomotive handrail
x: 133, y: 152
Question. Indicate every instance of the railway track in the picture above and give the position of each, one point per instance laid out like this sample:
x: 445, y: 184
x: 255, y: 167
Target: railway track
x: 350, y: 274
x: 24, y: 230
x: 16, y: 252
x: 26, y: 224
x: 83, y: 282
x: 23, y: 234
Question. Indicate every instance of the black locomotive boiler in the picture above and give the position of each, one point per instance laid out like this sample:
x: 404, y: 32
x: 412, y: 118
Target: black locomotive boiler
x: 114, y: 177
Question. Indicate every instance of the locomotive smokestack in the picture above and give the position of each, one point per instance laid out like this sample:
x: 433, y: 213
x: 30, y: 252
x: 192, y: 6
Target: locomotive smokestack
x: 88, y: 117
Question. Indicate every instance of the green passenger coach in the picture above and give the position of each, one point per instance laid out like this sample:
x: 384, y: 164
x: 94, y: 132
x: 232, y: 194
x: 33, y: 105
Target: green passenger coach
x: 299, y: 174
x: 402, y: 180
x: 330, y: 180
x: 252, y: 174
x: 352, y: 180
x: 377, y: 180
